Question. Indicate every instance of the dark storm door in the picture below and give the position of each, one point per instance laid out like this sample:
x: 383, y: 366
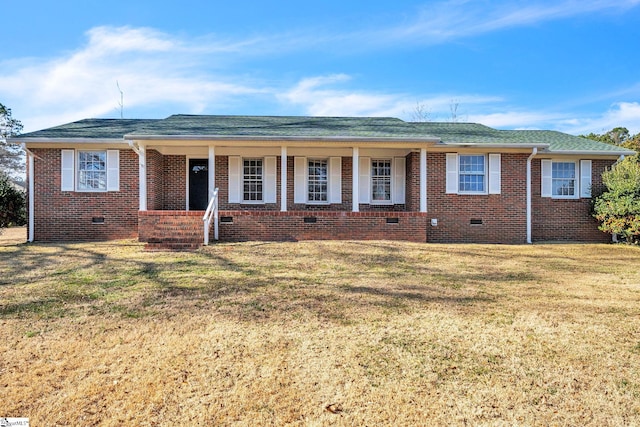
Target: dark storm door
x: 198, y: 184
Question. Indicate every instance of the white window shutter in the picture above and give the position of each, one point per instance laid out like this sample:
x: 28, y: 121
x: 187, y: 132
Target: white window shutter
x: 235, y: 179
x: 335, y: 179
x: 67, y: 177
x: 113, y: 170
x: 300, y: 180
x: 270, y: 184
x: 399, y: 180
x: 494, y: 173
x: 547, y: 174
x: 452, y: 173
x: 585, y: 178
x: 364, y: 180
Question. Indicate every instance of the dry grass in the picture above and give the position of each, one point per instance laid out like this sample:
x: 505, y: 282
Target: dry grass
x: 320, y: 333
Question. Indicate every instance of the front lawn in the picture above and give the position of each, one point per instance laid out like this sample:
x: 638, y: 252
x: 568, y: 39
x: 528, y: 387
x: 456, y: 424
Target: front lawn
x: 320, y: 333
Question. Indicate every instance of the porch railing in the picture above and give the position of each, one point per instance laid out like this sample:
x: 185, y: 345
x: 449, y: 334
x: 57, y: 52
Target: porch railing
x: 211, y: 212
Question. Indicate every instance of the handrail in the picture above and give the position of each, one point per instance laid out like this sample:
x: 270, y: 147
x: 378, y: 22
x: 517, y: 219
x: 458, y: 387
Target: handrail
x: 212, y: 210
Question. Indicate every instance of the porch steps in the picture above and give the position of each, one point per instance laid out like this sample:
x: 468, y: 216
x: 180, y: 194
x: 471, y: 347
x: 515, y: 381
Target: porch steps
x: 175, y: 233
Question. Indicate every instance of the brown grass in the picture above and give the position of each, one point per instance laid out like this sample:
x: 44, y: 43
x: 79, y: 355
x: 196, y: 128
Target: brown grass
x: 320, y: 333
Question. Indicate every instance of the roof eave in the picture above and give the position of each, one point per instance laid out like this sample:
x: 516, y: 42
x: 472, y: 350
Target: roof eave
x: 19, y: 140
x: 277, y: 138
x: 494, y: 145
x: 591, y: 153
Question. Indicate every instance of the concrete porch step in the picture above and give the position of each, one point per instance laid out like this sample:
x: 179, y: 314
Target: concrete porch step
x: 171, y: 246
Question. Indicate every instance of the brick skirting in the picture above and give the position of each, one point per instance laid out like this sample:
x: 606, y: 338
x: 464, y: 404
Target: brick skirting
x: 156, y: 226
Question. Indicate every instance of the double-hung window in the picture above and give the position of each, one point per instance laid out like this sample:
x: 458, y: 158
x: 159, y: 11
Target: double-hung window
x: 381, y: 181
x: 252, y: 180
x: 318, y: 181
x: 563, y: 179
x: 90, y: 170
x: 472, y: 175
x: 566, y: 179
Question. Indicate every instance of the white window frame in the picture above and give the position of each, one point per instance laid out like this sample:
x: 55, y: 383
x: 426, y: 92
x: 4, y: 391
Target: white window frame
x: 492, y: 175
x: 261, y: 180
x: 555, y: 179
x: 80, y: 171
x: 236, y: 180
x: 389, y: 177
x: 301, y: 180
x: 484, y: 174
x: 581, y: 180
x: 70, y: 171
x: 327, y: 183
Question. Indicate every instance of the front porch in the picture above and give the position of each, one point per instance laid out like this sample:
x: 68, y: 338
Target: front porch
x: 184, y: 230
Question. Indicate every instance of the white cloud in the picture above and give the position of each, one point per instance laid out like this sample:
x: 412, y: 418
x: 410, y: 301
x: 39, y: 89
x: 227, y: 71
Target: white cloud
x: 150, y: 67
x: 318, y: 96
x: 624, y: 114
x: 455, y: 19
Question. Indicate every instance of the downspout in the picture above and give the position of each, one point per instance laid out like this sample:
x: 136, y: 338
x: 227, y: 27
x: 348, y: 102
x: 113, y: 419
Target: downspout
x: 30, y: 191
x: 533, y: 154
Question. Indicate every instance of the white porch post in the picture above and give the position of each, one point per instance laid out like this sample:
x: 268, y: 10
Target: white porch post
x: 355, y: 186
x: 283, y: 178
x: 142, y: 176
x: 212, y: 171
x: 423, y: 180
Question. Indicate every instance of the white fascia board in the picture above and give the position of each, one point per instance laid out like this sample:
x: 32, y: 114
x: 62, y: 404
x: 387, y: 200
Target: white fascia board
x: 66, y: 141
x: 336, y: 139
x: 612, y: 154
x: 493, y: 145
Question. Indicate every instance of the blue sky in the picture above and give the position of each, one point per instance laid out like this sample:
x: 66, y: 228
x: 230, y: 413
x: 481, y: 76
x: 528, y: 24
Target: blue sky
x: 568, y: 65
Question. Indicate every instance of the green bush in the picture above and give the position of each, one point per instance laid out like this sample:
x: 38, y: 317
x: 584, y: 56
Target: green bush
x: 12, y: 204
x: 618, y: 208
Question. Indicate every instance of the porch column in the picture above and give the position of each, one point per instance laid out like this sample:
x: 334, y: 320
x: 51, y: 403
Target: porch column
x: 423, y: 180
x: 212, y: 170
x: 31, y: 186
x: 283, y: 178
x: 142, y: 176
x: 355, y: 186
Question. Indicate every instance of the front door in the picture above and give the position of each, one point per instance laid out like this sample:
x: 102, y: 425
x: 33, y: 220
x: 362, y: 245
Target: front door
x: 198, y: 184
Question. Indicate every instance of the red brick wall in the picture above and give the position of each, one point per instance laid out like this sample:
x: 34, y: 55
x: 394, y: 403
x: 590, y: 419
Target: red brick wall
x: 503, y: 215
x: 281, y: 226
x: 175, y: 183
x: 566, y: 219
x: 413, y: 182
x: 155, y: 179
x: 67, y: 216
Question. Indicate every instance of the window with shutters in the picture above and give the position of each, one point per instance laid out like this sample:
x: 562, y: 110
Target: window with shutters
x: 318, y: 181
x: 381, y: 181
x: 472, y: 176
x: 92, y: 171
x: 252, y: 180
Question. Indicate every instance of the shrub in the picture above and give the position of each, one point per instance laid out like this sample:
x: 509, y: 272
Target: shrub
x: 12, y: 203
x: 618, y: 208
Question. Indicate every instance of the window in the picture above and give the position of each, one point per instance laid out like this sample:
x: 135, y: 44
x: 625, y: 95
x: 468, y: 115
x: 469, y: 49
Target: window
x: 476, y: 174
x: 318, y: 183
x: 563, y: 179
x: 381, y: 181
x: 92, y: 170
x: 95, y: 170
x: 471, y: 174
x: 252, y: 180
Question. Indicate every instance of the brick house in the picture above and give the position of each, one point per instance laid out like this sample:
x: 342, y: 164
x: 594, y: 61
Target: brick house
x: 294, y: 178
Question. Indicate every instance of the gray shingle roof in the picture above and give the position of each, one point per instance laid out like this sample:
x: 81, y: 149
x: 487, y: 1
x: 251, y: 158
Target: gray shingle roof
x: 319, y: 127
